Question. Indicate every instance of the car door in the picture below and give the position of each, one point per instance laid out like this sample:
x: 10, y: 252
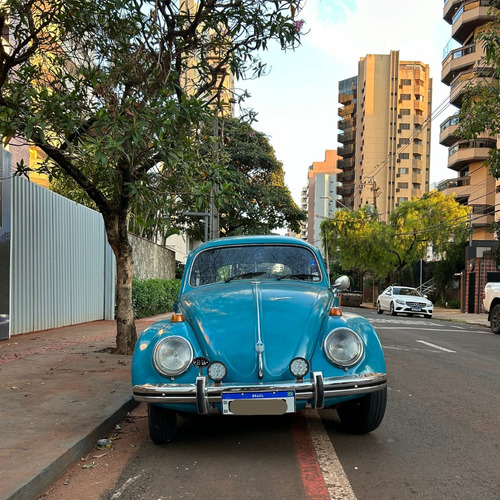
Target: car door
x: 385, y: 298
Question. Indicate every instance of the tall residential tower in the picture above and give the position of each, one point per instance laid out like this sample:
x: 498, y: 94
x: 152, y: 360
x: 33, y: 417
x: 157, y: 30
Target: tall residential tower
x: 385, y: 124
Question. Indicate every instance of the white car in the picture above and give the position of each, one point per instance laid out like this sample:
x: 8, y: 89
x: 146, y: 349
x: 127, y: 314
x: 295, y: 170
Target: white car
x: 404, y: 299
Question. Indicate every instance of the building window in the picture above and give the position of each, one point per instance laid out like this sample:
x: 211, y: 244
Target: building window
x: 402, y: 198
x: 404, y: 156
x: 405, y: 82
x: 404, y: 140
x: 417, y: 171
x: 405, y: 97
x: 416, y: 185
x: 404, y: 126
x: 402, y: 185
x: 404, y: 111
x: 403, y: 170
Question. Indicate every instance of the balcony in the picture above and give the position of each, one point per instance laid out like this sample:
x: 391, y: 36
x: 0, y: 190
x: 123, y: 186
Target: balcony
x: 419, y: 89
x: 346, y: 110
x: 347, y: 98
x: 447, y: 129
x: 416, y: 178
x: 347, y: 164
x: 346, y: 123
x: 420, y: 105
x: 450, y: 8
x: 418, y: 149
x: 469, y: 16
x: 346, y: 176
x: 346, y: 190
x: 459, y: 186
x: 459, y: 60
x: 346, y: 150
x: 418, y: 120
x: 466, y: 152
x: 346, y: 137
x: 464, y: 80
x: 482, y: 215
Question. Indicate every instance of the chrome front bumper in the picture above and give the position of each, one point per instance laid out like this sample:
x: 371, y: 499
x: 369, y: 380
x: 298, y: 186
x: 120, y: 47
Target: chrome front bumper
x: 315, y: 390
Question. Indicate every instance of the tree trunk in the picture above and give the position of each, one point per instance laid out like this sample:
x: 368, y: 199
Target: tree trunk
x: 126, y: 333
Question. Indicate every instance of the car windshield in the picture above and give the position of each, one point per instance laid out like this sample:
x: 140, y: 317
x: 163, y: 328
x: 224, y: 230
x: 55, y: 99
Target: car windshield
x: 406, y: 291
x: 254, y: 261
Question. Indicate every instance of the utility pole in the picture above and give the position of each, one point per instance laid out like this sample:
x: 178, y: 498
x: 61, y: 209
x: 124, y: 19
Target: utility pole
x: 214, y: 212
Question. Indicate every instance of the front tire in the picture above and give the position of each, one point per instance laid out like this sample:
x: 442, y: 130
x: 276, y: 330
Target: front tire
x: 495, y: 319
x: 162, y: 424
x: 393, y: 312
x: 364, y: 414
x: 379, y: 309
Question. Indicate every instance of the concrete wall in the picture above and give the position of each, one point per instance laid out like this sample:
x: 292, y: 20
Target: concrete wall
x: 151, y: 260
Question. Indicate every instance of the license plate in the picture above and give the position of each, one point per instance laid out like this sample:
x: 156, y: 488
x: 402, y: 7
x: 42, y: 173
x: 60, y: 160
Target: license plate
x: 258, y: 403
x: 416, y: 309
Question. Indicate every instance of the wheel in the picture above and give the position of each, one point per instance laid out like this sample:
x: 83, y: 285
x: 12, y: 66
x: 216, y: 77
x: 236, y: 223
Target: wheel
x: 162, y: 424
x: 365, y: 414
x: 393, y: 312
x: 379, y: 308
x: 495, y: 319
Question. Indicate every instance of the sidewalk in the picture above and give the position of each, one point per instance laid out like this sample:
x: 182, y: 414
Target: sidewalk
x: 61, y: 392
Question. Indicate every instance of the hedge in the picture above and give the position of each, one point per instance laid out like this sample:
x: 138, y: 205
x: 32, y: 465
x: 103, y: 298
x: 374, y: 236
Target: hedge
x: 154, y: 296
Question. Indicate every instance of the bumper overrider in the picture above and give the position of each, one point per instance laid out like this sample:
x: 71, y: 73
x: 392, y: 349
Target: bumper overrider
x: 315, y: 390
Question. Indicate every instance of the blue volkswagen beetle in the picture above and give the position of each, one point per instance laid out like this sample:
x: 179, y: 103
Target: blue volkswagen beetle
x: 258, y: 331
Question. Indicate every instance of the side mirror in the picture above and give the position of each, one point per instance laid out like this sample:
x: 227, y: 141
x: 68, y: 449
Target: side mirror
x: 342, y: 283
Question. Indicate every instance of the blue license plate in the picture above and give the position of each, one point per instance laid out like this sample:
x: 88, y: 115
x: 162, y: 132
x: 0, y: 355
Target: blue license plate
x: 258, y: 403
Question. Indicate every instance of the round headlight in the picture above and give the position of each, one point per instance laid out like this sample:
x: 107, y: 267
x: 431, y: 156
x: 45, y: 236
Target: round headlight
x: 343, y: 347
x: 217, y: 371
x: 172, y: 356
x: 299, y: 367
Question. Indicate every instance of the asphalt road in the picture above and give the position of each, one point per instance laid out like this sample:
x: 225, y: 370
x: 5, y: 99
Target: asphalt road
x: 440, y: 438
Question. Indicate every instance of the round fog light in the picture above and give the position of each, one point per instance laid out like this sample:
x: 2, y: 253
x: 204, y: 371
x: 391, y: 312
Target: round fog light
x: 299, y: 367
x: 217, y: 371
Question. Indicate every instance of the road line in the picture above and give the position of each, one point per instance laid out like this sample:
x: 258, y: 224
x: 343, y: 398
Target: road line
x: 435, y: 346
x: 333, y: 473
x: 377, y: 327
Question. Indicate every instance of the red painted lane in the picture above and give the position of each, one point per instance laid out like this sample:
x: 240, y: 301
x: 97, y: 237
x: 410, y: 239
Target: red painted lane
x: 312, y: 478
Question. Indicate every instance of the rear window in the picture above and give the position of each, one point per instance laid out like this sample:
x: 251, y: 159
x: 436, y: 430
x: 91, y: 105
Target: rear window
x: 254, y: 261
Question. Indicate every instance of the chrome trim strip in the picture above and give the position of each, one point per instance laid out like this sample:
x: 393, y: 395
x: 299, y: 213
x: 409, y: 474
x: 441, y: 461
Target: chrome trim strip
x: 319, y: 390
x: 307, y: 390
x: 257, y: 297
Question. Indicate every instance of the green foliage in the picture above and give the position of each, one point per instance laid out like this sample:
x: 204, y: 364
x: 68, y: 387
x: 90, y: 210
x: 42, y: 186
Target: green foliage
x: 116, y: 93
x: 363, y: 243
x: 154, y: 296
x: 261, y: 202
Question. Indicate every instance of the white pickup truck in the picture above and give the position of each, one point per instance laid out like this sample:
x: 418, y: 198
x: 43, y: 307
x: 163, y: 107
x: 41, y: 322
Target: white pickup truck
x: 491, y: 303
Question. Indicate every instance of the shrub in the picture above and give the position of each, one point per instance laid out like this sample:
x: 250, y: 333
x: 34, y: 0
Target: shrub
x: 154, y: 296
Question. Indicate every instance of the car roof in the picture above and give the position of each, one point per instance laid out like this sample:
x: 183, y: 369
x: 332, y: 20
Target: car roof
x: 267, y: 239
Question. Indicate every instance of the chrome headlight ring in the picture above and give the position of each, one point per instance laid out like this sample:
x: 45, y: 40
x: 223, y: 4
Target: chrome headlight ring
x: 343, y: 347
x: 172, y: 356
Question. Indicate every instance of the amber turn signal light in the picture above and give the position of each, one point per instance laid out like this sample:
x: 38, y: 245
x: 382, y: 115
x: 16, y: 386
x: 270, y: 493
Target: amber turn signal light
x: 335, y: 311
x: 177, y: 318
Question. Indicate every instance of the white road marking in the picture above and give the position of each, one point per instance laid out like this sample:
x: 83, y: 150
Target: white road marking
x: 335, y: 478
x: 435, y: 346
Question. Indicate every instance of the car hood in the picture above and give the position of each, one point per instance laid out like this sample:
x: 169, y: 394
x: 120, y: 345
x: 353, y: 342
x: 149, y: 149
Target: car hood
x: 231, y: 320
x: 413, y: 298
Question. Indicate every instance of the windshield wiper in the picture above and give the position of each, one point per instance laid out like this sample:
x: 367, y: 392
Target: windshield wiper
x: 244, y: 275
x: 296, y: 276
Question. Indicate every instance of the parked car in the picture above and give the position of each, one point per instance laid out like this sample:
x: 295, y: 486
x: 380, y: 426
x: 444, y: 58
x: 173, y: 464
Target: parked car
x: 257, y: 331
x: 404, y: 299
x: 491, y: 303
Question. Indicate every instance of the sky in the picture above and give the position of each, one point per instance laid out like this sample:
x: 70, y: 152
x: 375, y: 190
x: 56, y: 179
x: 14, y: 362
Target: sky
x: 297, y: 102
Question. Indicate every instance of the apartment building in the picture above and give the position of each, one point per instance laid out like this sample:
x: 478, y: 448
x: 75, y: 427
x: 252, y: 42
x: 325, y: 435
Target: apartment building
x: 462, y: 65
x: 320, y: 195
x: 472, y: 185
x: 385, y: 131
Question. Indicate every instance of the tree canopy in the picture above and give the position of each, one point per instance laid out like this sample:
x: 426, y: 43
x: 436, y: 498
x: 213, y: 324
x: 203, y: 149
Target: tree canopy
x: 117, y: 93
x: 363, y: 243
x: 261, y: 202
